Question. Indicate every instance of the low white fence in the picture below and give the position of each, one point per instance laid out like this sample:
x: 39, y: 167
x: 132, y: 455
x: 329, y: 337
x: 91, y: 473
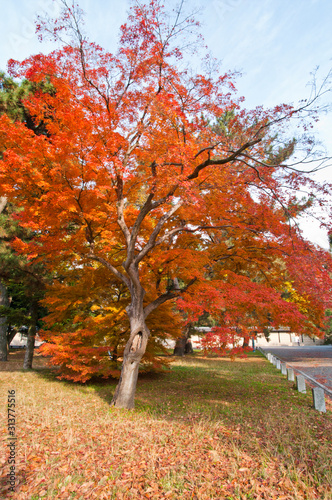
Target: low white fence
x: 318, y: 392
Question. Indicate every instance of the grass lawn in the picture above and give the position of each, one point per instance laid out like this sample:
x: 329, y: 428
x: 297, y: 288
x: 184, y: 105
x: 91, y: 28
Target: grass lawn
x: 208, y: 429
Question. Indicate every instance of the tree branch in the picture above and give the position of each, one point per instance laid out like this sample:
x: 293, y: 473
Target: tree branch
x: 222, y: 161
x: 121, y: 221
x: 152, y: 240
x: 209, y: 148
x: 135, y: 229
x: 101, y: 260
x: 164, y: 298
x: 188, y: 230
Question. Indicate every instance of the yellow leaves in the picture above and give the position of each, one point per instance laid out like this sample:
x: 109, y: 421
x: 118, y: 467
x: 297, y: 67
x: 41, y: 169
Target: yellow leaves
x: 72, y: 208
x: 293, y: 296
x: 112, y: 309
x: 98, y: 319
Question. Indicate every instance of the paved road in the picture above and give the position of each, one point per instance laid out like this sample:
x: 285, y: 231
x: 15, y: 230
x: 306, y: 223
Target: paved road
x: 315, y: 361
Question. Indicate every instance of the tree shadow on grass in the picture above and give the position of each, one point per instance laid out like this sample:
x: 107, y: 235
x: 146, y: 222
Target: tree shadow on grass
x: 216, y: 393
x: 246, y: 405
x: 207, y: 388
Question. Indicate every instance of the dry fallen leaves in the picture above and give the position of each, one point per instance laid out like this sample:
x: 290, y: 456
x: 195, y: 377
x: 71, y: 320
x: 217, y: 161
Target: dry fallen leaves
x: 71, y: 445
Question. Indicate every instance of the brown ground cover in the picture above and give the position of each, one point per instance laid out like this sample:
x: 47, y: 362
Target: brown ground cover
x: 208, y: 429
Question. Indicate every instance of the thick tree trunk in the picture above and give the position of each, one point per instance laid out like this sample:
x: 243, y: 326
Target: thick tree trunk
x: 180, y: 346
x: 27, y: 365
x: 189, y: 347
x: 4, y: 301
x: 3, y: 339
x: 183, y: 344
x: 246, y: 341
x: 124, y: 395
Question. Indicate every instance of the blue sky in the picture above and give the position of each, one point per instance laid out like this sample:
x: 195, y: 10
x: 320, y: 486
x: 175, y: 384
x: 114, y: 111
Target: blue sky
x: 275, y: 44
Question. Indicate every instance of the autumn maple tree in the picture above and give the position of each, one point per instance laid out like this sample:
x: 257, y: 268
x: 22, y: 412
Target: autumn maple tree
x: 89, y: 327
x: 157, y: 178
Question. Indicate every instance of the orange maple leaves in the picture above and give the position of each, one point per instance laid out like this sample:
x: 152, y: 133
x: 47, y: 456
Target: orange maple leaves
x: 139, y: 158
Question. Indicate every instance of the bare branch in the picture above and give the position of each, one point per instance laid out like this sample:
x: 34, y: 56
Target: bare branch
x: 165, y: 297
x: 104, y: 262
x: 152, y: 240
x: 121, y: 221
x: 135, y: 229
x: 321, y: 166
x: 187, y: 230
x: 205, y: 164
x: 307, y: 106
x: 222, y: 161
x: 209, y: 148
